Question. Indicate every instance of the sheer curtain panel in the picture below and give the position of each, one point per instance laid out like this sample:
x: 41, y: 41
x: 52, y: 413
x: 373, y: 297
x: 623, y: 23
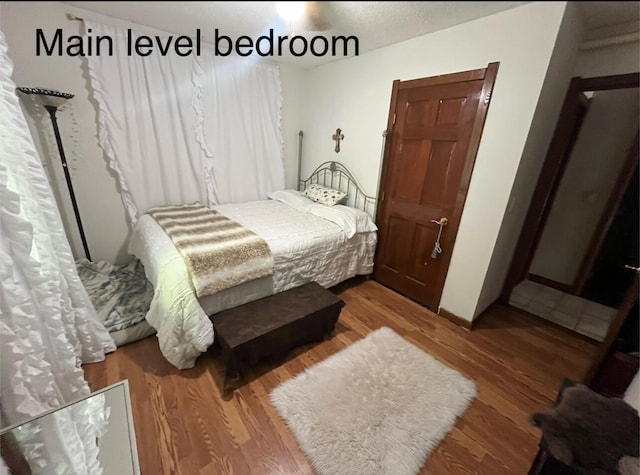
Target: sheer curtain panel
x: 147, y: 124
x: 240, y: 126
x: 177, y: 130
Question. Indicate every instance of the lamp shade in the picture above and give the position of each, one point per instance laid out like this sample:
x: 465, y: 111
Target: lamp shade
x: 47, y: 97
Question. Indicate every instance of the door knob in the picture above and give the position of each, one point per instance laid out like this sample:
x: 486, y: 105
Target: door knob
x: 437, y: 249
x: 442, y: 222
x: 627, y: 266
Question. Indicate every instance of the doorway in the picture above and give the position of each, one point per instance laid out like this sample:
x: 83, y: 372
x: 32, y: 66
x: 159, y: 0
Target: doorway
x: 434, y: 128
x: 582, y: 226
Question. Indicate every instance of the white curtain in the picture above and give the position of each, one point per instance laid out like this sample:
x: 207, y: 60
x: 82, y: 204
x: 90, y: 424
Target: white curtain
x: 182, y: 129
x: 147, y: 124
x: 241, y: 126
x: 48, y: 326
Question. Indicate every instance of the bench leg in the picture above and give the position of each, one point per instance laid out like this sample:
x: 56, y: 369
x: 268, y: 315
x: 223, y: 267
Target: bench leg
x: 233, y: 373
x: 329, y: 327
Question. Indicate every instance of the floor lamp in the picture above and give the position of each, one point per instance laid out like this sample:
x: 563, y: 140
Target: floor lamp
x: 51, y: 100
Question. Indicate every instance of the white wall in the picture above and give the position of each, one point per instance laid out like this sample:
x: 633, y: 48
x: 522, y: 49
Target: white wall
x: 354, y: 94
x: 293, y: 110
x: 96, y: 189
x: 559, y: 74
x: 588, y: 181
x: 610, y: 60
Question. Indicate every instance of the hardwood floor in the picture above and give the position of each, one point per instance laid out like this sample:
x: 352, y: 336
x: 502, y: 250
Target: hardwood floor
x: 185, y: 424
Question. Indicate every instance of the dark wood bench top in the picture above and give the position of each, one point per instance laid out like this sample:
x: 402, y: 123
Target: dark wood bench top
x: 240, y: 325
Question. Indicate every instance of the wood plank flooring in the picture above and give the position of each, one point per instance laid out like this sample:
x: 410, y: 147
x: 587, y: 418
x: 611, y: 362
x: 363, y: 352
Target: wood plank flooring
x: 185, y: 424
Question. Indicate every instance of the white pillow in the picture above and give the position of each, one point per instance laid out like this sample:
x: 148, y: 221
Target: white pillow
x: 350, y: 220
x: 364, y: 223
x: 293, y: 198
x: 322, y: 194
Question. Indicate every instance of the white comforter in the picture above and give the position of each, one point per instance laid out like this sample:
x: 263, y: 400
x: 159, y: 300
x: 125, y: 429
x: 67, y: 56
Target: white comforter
x: 305, y: 248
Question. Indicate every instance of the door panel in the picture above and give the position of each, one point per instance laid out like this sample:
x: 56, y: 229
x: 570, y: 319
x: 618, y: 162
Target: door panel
x: 425, y: 175
x: 408, y: 180
x: 423, y: 236
x: 449, y: 110
x: 396, y: 250
x: 437, y: 190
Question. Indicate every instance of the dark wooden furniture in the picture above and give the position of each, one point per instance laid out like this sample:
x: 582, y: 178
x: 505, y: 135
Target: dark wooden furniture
x: 274, y: 325
x: 615, y: 375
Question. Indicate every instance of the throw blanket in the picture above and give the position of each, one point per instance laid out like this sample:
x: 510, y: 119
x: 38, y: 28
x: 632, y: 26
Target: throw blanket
x: 219, y: 253
x: 121, y: 295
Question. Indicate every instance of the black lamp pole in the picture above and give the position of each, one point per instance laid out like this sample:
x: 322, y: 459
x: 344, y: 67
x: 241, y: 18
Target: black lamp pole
x: 52, y: 113
x: 51, y: 100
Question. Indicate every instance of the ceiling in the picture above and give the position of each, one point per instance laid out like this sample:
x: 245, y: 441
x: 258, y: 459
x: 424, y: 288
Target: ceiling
x: 603, y: 14
x: 375, y: 24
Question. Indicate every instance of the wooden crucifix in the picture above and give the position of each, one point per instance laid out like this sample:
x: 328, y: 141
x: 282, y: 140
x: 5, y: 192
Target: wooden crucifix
x: 338, y: 136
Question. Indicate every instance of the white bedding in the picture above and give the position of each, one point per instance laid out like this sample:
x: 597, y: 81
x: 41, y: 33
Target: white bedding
x: 305, y: 248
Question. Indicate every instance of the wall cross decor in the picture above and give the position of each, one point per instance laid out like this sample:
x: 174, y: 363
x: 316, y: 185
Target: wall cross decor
x: 338, y: 136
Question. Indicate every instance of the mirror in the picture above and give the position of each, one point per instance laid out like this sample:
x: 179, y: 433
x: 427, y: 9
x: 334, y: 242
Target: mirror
x: 80, y: 437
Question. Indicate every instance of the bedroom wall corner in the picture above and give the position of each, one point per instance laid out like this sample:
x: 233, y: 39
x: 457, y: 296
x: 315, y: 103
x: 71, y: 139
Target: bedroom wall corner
x: 556, y: 82
x: 354, y: 94
x: 293, y: 80
x: 101, y: 210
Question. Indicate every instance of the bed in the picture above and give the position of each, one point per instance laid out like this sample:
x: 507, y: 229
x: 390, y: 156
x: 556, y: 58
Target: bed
x: 309, y: 241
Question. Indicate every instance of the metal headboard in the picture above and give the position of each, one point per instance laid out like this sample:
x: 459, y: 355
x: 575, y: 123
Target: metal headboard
x: 337, y: 176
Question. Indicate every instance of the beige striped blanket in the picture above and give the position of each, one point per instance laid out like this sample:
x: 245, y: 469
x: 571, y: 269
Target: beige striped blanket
x: 219, y: 253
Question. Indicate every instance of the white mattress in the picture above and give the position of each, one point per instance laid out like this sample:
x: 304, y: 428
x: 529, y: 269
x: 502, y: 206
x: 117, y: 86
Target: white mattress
x: 305, y: 248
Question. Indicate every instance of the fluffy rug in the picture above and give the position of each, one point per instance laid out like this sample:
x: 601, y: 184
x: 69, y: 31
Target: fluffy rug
x: 379, y: 406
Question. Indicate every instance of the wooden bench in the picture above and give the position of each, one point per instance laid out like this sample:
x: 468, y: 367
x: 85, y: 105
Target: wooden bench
x: 273, y: 326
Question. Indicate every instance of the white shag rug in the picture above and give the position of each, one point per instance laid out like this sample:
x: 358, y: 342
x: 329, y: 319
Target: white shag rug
x: 380, y: 406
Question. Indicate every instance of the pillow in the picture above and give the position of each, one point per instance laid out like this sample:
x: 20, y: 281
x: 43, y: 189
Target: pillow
x: 293, y: 198
x: 364, y: 223
x: 322, y: 194
x: 350, y: 220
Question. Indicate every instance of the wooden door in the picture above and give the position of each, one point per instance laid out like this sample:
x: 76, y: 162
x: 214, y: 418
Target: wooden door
x: 435, y: 126
x: 615, y: 245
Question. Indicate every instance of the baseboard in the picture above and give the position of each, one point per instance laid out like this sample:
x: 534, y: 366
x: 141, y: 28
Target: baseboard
x: 455, y: 319
x: 463, y: 322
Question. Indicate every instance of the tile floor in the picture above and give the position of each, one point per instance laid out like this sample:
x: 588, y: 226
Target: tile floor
x: 588, y: 318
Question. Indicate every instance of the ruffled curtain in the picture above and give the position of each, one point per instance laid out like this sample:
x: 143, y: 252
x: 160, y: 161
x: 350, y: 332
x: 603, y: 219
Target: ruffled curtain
x: 48, y: 326
x: 240, y: 127
x: 146, y: 124
x: 182, y: 129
